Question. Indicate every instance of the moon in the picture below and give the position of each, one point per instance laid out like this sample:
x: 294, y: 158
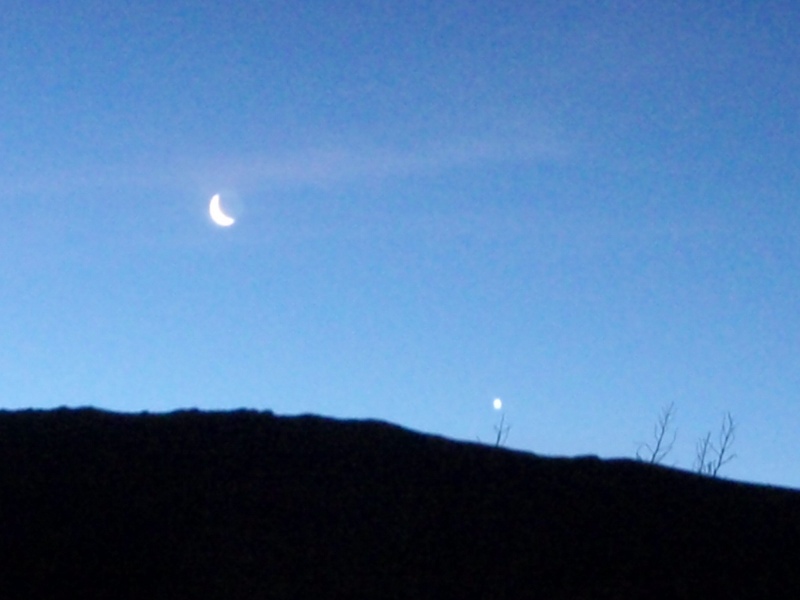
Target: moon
x: 497, y: 404
x: 217, y: 215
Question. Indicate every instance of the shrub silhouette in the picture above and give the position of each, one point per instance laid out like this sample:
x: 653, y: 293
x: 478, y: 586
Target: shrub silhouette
x: 709, y: 457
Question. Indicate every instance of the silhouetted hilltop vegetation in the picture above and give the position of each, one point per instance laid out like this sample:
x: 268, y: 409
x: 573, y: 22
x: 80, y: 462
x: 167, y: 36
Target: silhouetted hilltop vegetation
x: 250, y: 505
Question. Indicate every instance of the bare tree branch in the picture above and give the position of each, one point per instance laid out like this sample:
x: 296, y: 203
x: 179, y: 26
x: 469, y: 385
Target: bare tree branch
x: 662, y: 445
x: 722, y: 452
x: 727, y: 435
x: 704, y: 449
x: 502, y: 432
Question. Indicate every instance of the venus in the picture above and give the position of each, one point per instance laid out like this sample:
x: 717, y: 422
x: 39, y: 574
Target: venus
x: 498, y: 404
x: 217, y: 214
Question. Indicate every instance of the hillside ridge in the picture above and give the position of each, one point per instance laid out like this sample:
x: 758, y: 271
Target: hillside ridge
x: 195, y: 504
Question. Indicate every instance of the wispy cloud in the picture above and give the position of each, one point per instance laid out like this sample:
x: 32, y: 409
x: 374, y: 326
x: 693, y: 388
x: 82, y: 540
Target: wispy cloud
x: 348, y: 163
x: 312, y: 165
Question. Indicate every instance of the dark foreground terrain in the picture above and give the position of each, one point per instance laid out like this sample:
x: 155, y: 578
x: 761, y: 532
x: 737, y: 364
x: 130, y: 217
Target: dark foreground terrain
x: 250, y: 505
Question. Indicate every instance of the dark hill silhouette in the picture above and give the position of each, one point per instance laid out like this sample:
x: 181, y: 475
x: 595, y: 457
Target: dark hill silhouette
x: 250, y: 505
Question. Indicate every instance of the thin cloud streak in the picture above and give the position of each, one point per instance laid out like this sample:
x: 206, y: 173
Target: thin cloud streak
x: 336, y: 165
x: 314, y: 166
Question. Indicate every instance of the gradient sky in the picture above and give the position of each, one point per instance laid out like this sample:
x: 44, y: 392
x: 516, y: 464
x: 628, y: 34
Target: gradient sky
x: 587, y: 209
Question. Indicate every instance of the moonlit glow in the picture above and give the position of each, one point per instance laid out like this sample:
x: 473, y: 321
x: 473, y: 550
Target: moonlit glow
x: 497, y: 404
x: 217, y: 215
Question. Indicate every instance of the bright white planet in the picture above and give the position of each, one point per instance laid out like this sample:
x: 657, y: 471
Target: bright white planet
x: 217, y: 214
x: 498, y: 404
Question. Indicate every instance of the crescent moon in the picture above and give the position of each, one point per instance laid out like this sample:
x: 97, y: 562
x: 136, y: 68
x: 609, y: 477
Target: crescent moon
x: 217, y: 215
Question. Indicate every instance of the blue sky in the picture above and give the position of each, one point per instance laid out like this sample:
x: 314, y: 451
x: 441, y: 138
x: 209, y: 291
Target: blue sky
x: 588, y: 209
